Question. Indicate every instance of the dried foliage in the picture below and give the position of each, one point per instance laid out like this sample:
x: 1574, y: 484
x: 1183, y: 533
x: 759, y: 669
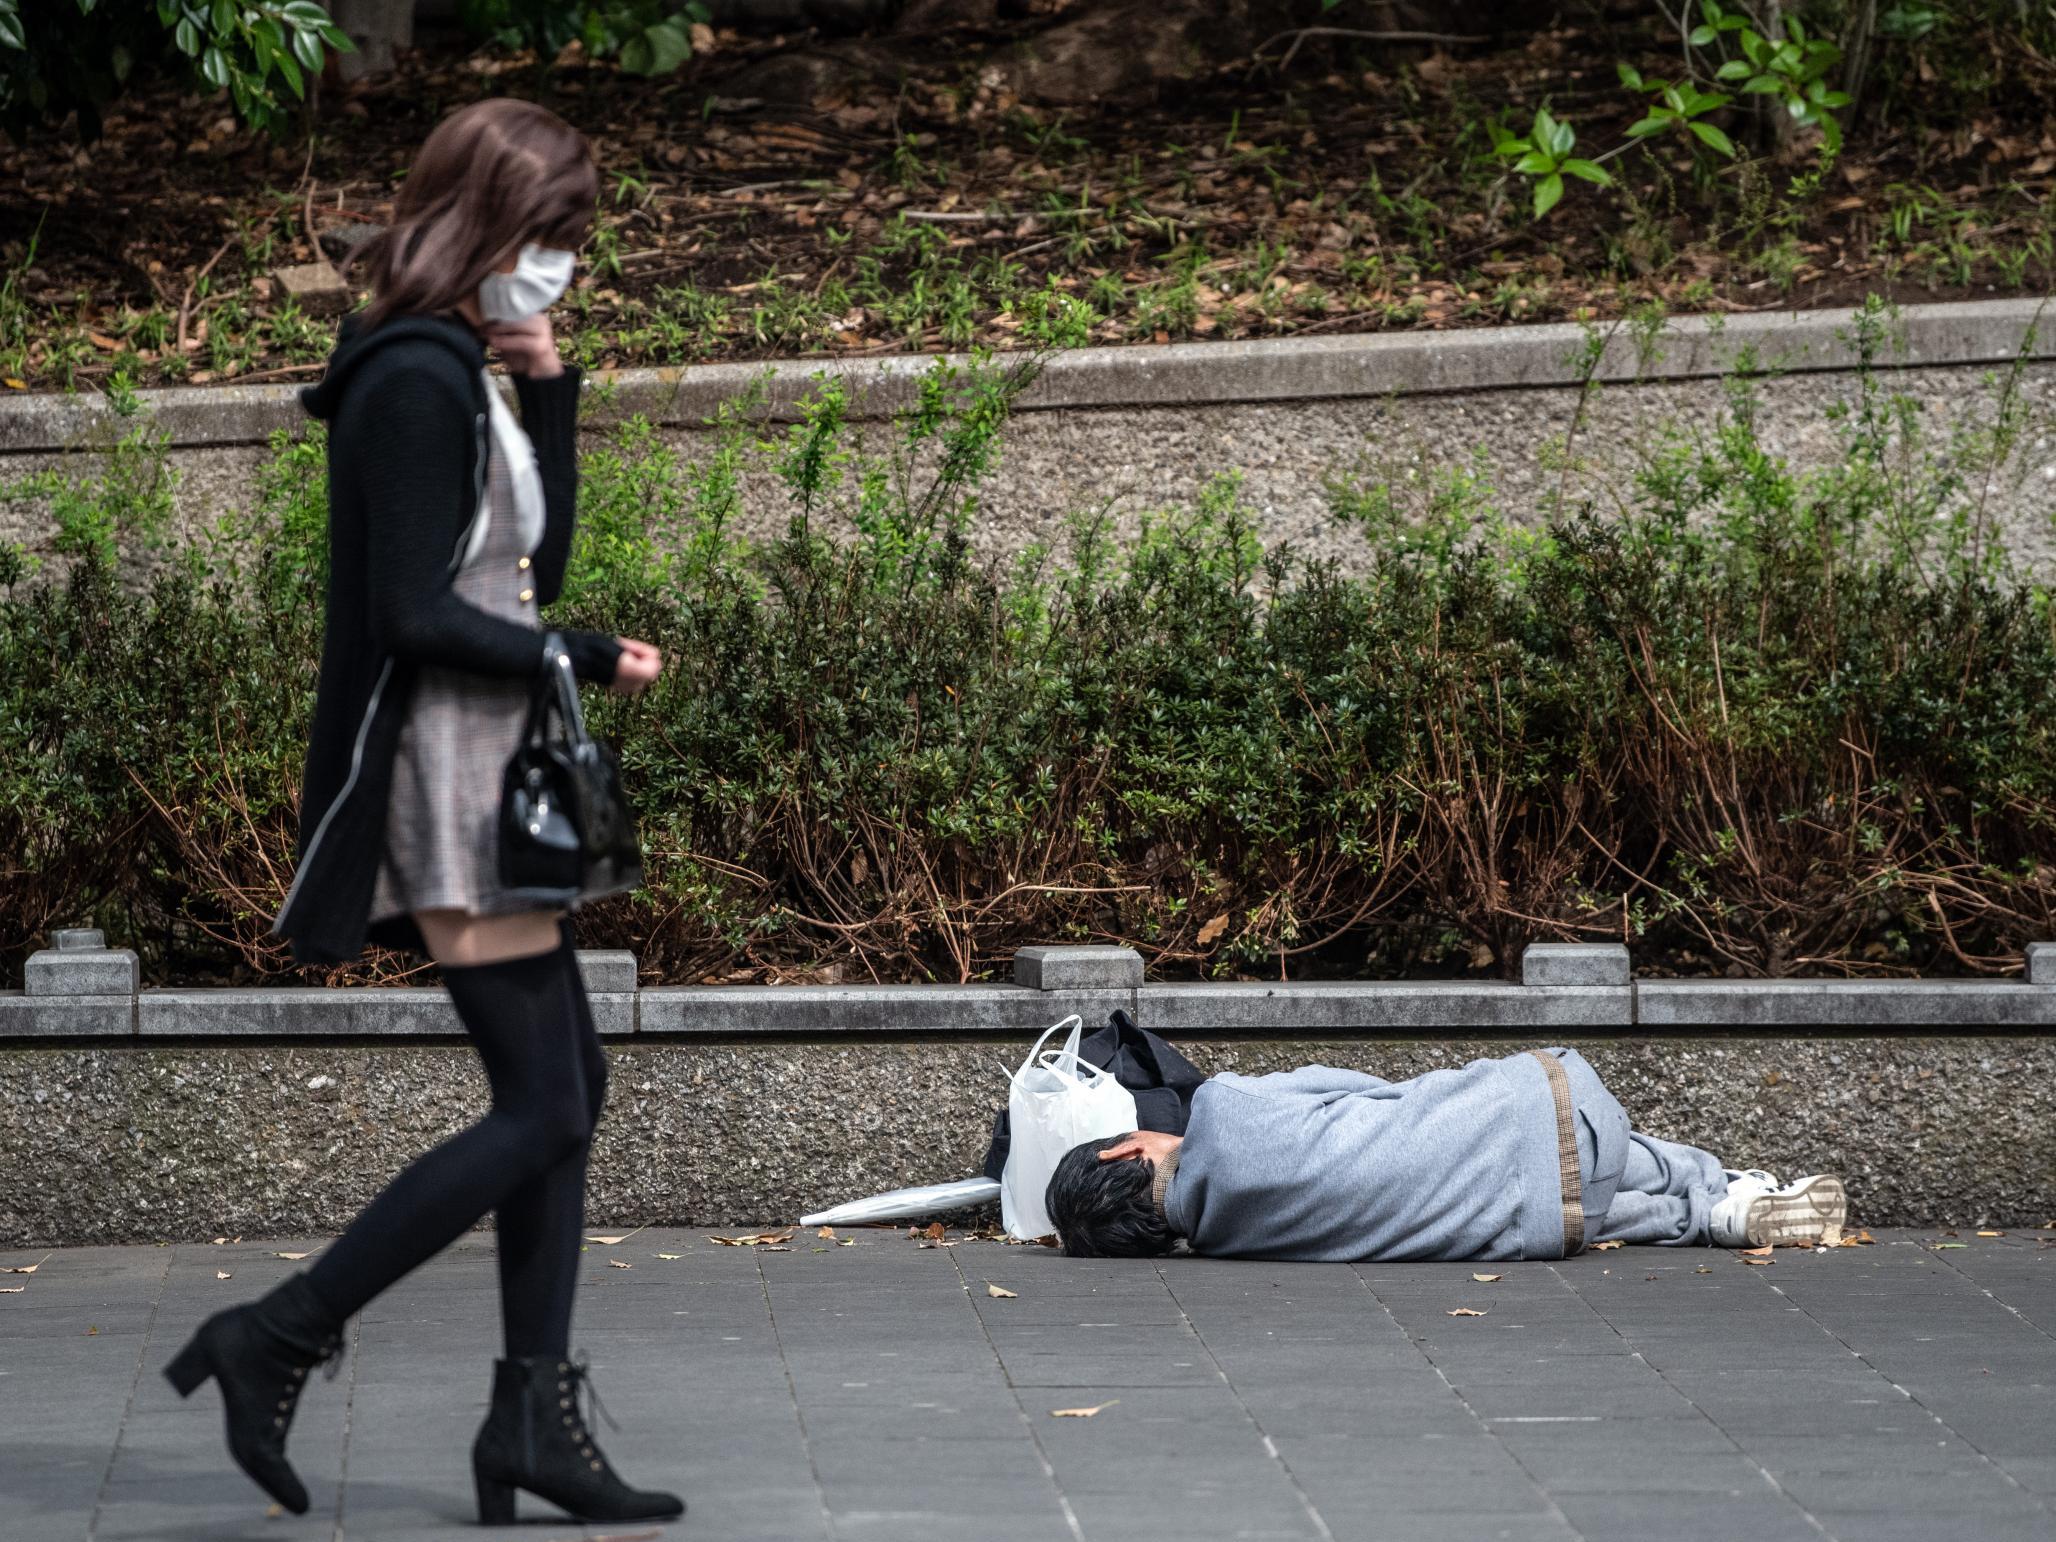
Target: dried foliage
x: 1759, y: 721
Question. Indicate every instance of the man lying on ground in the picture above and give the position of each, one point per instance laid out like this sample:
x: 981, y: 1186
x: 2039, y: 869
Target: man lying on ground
x: 1525, y: 1157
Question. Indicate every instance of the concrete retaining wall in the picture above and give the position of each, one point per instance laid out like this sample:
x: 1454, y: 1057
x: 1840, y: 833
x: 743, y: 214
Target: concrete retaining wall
x: 1131, y: 430
x: 180, y: 1141
x: 133, y: 1115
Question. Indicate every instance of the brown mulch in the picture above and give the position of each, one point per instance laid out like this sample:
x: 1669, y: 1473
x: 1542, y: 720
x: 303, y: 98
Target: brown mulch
x: 908, y: 202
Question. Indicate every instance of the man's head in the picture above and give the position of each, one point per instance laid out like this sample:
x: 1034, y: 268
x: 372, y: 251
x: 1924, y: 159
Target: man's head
x: 1102, y: 1198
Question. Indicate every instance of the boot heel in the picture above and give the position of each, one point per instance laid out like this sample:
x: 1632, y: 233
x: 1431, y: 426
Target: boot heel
x: 189, y: 1369
x: 495, y: 1501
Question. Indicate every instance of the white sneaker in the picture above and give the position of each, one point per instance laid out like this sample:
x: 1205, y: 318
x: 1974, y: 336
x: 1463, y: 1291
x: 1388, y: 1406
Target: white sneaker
x: 1754, y: 1216
x: 1757, y: 1175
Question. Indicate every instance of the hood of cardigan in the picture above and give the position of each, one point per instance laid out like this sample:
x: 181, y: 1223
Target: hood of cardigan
x: 355, y: 344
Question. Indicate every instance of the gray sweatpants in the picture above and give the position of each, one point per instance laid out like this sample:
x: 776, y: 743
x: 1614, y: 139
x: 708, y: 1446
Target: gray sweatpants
x: 1639, y: 1188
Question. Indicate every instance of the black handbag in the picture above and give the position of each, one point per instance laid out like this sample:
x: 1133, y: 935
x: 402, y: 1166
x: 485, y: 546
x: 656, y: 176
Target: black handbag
x: 565, y: 825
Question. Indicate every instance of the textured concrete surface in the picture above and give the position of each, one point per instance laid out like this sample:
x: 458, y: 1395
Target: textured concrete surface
x: 1106, y: 454
x: 1064, y: 969
x: 1575, y: 963
x: 81, y: 972
x: 176, y: 1142
x: 1178, y: 375
x: 1844, y: 1003
x: 1898, y: 1392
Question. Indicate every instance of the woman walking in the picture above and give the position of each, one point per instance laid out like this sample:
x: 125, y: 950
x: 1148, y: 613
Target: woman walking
x: 449, y: 524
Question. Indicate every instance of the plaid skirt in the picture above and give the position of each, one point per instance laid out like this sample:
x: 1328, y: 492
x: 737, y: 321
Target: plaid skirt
x: 442, y: 844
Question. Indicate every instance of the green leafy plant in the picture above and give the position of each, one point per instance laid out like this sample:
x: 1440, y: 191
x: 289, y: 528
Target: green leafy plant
x: 77, y: 55
x: 1679, y: 106
x: 647, y: 37
x: 1779, y: 61
x: 1543, y: 155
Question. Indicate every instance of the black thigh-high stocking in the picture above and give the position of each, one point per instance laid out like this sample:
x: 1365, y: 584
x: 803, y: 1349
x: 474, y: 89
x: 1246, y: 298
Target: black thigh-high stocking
x: 521, y: 1020
x: 541, y: 1222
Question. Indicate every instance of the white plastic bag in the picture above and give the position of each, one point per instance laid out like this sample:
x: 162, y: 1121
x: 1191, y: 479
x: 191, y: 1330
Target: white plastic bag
x: 1056, y: 1102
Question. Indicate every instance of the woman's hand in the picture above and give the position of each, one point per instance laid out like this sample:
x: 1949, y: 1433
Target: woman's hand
x: 638, y: 665
x: 526, y: 347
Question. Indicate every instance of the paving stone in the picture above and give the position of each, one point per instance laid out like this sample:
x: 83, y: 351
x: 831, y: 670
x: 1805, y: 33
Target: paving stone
x: 877, y: 1392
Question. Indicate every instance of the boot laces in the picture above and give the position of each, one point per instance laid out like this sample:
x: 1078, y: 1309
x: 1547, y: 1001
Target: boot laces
x: 581, y: 1376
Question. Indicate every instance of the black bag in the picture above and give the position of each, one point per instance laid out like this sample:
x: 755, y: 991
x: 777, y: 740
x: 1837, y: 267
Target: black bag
x: 1162, y: 1080
x: 565, y: 824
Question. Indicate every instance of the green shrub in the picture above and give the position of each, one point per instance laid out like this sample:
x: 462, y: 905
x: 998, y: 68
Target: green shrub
x: 1766, y: 721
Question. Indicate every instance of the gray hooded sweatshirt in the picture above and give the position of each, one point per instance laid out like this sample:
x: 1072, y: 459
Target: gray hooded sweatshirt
x: 1334, y: 1165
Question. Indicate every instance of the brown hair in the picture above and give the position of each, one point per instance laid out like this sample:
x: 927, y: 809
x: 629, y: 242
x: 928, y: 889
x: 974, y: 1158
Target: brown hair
x: 490, y: 176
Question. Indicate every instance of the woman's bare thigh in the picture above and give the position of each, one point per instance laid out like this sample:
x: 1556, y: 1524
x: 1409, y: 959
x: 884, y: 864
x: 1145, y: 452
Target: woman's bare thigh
x: 455, y: 937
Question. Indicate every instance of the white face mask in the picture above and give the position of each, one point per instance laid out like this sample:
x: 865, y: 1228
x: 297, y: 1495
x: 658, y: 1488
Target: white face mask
x: 540, y: 275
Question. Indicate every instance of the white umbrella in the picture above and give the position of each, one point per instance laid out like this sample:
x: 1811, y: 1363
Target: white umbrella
x: 908, y: 1204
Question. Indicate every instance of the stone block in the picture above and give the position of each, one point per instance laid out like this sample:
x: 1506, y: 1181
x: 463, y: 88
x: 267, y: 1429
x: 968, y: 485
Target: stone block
x: 23, y: 1016
x: 1844, y: 1003
x: 607, y: 969
x: 69, y: 937
x: 1068, y: 969
x: 360, y: 1012
x: 81, y: 972
x: 1377, y: 1009
x: 316, y: 285
x: 2041, y: 963
x: 1575, y: 963
x: 833, y: 1011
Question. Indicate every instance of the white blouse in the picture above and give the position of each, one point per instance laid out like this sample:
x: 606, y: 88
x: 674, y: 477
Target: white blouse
x: 513, y: 446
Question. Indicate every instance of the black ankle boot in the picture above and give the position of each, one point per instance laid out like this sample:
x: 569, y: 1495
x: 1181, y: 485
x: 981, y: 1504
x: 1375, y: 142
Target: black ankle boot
x: 259, y: 1355
x: 536, y: 1439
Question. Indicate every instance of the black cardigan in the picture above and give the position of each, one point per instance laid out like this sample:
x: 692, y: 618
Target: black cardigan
x: 407, y: 414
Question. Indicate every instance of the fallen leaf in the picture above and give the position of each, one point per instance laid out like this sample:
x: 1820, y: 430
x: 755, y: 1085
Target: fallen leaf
x: 1488, y: 1279
x: 1000, y: 1292
x: 671, y: 1255
x: 845, y: 1242
x: 223, y: 1274
x: 761, y: 1239
x: 1080, y: 1413
x: 293, y: 1257
x: 12, y: 1290
x: 1862, y: 1239
x: 1605, y: 1247
x: 27, y: 1268
x: 1463, y: 1311
x: 826, y: 1234
x: 92, y: 1333
x: 1213, y: 929
x: 1704, y: 1269
x: 12, y: 384
x: 1762, y: 1252
x: 1991, y: 1234
x: 1940, y: 1246
x: 615, y: 1263
x: 936, y: 1231
x: 610, y: 1241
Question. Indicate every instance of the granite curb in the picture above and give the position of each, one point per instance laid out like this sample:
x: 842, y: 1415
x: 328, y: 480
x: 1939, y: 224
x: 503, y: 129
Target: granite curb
x: 1565, y: 985
x: 1171, y: 375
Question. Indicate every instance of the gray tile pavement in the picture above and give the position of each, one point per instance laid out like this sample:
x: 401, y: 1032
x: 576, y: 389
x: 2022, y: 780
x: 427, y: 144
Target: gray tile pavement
x: 879, y: 1391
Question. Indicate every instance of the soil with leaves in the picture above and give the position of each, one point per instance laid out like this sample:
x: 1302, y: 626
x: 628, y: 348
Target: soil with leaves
x: 796, y: 195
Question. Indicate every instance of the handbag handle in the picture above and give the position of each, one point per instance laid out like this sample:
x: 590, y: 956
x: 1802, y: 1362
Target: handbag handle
x: 563, y: 685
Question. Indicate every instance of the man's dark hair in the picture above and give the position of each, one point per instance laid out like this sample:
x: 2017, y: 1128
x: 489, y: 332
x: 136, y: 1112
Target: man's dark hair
x: 1105, y: 1209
